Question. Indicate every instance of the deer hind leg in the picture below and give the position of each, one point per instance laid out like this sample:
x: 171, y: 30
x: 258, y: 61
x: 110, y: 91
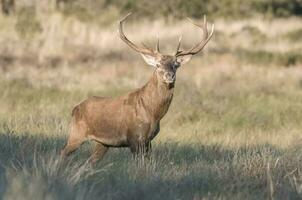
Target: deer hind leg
x: 98, y: 153
x: 78, y: 133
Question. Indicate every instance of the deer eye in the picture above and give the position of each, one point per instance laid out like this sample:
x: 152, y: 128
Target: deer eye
x: 176, y: 64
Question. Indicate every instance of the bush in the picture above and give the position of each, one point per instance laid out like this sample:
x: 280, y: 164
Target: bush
x: 294, y: 36
x: 279, y: 8
x: 27, y: 25
x: 194, y: 8
x: 271, y: 58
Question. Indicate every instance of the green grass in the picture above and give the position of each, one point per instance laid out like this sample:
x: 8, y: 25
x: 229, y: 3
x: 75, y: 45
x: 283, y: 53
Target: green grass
x: 270, y: 58
x: 233, y: 130
x: 34, y: 124
x: 294, y: 36
x: 32, y: 169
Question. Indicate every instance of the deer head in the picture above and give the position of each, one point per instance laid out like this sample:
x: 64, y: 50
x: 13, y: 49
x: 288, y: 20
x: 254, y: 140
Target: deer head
x: 166, y: 65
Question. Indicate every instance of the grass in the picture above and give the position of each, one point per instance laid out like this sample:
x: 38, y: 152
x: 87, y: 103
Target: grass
x: 286, y: 59
x: 215, y: 143
x: 33, y: 170
x: 233, y: 130
x: 294, y: 35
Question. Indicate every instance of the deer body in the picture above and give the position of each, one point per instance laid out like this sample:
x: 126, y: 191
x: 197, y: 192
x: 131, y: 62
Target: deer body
x: 117, y: 121
x: 131, y: 120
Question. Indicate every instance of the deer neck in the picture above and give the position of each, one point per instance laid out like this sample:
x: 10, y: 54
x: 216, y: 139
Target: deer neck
x: 157, y: 97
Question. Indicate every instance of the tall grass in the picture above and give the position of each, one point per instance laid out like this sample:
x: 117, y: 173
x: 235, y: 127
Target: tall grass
x: 233, y: 130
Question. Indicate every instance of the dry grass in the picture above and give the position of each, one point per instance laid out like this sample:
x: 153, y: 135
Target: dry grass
x: 237, y: 107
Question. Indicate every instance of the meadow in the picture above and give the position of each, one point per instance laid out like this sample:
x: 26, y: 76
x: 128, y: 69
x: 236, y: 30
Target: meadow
x: 233, y: 130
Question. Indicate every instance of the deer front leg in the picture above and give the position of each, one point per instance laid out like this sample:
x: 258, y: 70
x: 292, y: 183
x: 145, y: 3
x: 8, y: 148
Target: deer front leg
x: 139, y: 140
x: 140, y: 149
x: 98, y: 153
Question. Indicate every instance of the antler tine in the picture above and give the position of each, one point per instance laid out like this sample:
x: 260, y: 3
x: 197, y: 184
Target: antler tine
x: 157, y: 45
x: 206, y: 38
x: 192, y: 22
x: 128, y: 42
x: 179, y: 44
x: 205, y: 27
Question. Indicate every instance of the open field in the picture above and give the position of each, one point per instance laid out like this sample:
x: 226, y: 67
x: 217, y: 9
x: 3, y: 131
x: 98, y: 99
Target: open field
x: 233, y: 131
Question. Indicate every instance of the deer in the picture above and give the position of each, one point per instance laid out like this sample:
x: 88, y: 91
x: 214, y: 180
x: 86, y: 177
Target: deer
x: 131, y: 120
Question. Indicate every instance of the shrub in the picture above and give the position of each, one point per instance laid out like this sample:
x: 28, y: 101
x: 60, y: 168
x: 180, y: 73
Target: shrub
x: 271, y: 58
x: 27, y: 25
x: 195, y: 8
x: 294, y: 36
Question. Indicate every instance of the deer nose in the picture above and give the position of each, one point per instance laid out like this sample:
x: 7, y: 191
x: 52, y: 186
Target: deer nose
x: 170, y: 76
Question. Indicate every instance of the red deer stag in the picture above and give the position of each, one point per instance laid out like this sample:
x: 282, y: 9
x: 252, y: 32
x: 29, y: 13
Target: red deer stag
x: 131, y: 120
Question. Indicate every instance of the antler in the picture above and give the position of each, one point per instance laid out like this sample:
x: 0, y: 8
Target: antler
x: 142, y: 50
x: 198, y: 47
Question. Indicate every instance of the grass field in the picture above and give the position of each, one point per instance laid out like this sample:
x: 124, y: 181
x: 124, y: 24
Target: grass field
x: 233, y: 131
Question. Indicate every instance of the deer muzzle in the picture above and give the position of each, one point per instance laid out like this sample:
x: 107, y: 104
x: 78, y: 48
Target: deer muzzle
x: 169, y: 77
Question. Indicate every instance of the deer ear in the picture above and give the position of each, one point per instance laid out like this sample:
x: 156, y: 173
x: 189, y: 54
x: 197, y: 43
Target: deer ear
x: 183, y: 59
x: 151, y: 60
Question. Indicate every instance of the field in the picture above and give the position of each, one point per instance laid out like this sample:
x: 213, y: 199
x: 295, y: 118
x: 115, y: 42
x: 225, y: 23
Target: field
x: 233, y: 130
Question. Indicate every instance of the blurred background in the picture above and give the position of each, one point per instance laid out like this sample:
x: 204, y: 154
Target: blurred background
x: 237, y: 105
x: 59, y: 32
